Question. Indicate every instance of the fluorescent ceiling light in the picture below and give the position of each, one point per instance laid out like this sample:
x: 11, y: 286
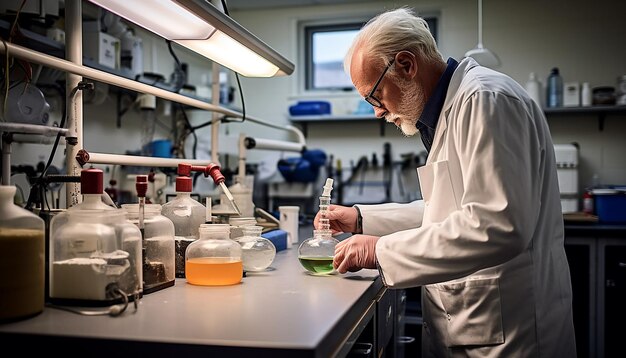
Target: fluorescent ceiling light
x: 201, y: 27
x: 163, y: 17
x: 230, y: 53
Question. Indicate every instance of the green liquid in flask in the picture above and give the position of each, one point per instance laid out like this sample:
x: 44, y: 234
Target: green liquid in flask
x: 317, y: 265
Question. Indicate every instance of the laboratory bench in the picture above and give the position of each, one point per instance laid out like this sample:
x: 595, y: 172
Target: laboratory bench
x: 282, y: 312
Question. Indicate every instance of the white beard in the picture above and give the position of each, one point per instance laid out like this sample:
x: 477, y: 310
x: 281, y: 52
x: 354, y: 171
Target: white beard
x: 411, y: 105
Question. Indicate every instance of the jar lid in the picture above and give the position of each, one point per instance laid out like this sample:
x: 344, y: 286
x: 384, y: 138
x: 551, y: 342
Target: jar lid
x: 91, y: 181
x: 184, y: 184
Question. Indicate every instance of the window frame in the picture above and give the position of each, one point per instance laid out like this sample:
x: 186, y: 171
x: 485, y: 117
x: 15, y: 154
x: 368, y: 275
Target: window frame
x: 307, y: 28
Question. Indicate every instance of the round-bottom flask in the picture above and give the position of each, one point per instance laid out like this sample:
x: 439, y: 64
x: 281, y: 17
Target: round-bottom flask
x: 214, y: 259
x: 316, y: 253
x: 258, y: 252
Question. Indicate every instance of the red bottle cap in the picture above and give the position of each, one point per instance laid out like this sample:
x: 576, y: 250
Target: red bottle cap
x: 141, y: 185
x: 184, y: 184
x: 91, y: 181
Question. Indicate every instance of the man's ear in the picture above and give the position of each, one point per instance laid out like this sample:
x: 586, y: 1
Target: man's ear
x: 406, y: 64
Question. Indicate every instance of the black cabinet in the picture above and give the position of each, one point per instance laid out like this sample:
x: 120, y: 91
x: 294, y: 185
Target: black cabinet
x: 597, y: 261
x: 611, y: 297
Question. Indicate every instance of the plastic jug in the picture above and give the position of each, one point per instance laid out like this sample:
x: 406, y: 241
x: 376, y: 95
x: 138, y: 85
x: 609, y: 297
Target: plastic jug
x: 21, y: 259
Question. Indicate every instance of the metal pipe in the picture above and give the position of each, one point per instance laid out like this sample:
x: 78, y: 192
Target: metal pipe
x: 119, y: 159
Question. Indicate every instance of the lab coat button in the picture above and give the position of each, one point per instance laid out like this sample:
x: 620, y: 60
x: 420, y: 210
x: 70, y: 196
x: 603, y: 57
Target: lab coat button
x: 448, y: 316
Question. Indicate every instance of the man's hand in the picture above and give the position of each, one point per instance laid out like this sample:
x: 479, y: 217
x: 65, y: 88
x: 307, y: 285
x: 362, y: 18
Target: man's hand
x: 341, y: 218
x: 355, y: 253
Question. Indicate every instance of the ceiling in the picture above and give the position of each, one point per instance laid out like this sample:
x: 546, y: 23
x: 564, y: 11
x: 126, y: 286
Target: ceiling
x: 266, y: 4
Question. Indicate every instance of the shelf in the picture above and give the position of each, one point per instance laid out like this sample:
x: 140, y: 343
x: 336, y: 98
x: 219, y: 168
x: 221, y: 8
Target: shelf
x: 327, y: 118
x: 600, y: 110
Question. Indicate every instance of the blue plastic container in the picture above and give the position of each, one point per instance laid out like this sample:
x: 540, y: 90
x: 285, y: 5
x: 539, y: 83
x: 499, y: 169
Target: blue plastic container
x: 161, y: 148
x: 610, y: 205
x: 309, y: 108
x: 278, y: 237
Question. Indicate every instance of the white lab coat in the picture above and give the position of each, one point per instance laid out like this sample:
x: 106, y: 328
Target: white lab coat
x: 486, y: 241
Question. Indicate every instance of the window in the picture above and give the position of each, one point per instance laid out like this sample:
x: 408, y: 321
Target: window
x: 325, y: 46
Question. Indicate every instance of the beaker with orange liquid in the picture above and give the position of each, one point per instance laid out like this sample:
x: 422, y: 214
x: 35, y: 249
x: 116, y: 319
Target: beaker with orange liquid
x: 214, y: 259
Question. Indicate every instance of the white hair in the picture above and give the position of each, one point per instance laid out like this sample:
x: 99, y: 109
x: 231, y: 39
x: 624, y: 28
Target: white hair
x: 393, y: 31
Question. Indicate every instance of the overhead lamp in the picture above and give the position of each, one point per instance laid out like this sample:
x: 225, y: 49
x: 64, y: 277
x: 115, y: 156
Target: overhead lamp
x: 481, y: 54
x: 203, y: 28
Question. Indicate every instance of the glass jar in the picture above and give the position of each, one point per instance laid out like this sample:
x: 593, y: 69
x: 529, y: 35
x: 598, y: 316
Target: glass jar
x: 257, y: 252
x: 316, y: 253
x: 237, y: 224
x: 21, y: 259
x: 95, y: 258
x: 214, y: 259
x: 157, y: 246
x: 187, y: 214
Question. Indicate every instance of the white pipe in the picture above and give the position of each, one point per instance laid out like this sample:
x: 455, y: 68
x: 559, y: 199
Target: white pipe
x: 119, y: 159
x: 101, y: 76
x: 215, y: 125
x: 31, y: 129
x: 74, y: 135
x: 260, y: 143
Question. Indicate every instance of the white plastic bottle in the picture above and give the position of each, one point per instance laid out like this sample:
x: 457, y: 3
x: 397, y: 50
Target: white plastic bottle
x: 586, y: 96
x: 533, y: 87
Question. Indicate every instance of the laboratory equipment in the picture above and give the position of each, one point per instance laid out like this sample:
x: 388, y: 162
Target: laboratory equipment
x: 214, y: 259
x: 158, y: 246
x: 187, y: 214
x: 316, y: 253
x: 21, y: 259
x: 95, y: 258
x: 212, y: 170
x: 258, y: 253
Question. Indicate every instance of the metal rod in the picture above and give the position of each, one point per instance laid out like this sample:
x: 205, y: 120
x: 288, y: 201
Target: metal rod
x: 24, y: 128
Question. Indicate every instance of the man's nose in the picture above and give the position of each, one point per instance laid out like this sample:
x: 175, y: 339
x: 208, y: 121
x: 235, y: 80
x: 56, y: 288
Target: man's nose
x: 379, y: 112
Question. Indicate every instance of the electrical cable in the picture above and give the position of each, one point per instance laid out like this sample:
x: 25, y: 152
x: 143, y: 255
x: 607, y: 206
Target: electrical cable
x: 112, y: 311
x: 243, y: 103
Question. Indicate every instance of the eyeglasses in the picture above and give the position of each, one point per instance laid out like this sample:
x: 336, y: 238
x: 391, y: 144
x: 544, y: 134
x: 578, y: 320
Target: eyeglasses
x: 370, y: 97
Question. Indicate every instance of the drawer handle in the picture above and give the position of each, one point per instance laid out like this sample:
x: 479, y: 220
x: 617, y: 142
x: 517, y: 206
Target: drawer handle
x: 406, y: 340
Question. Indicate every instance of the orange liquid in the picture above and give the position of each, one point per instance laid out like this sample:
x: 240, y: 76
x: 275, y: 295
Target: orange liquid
x: 213, y: 271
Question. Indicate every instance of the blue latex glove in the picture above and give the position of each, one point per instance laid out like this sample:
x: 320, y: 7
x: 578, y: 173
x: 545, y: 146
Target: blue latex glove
x: 355, y: 253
